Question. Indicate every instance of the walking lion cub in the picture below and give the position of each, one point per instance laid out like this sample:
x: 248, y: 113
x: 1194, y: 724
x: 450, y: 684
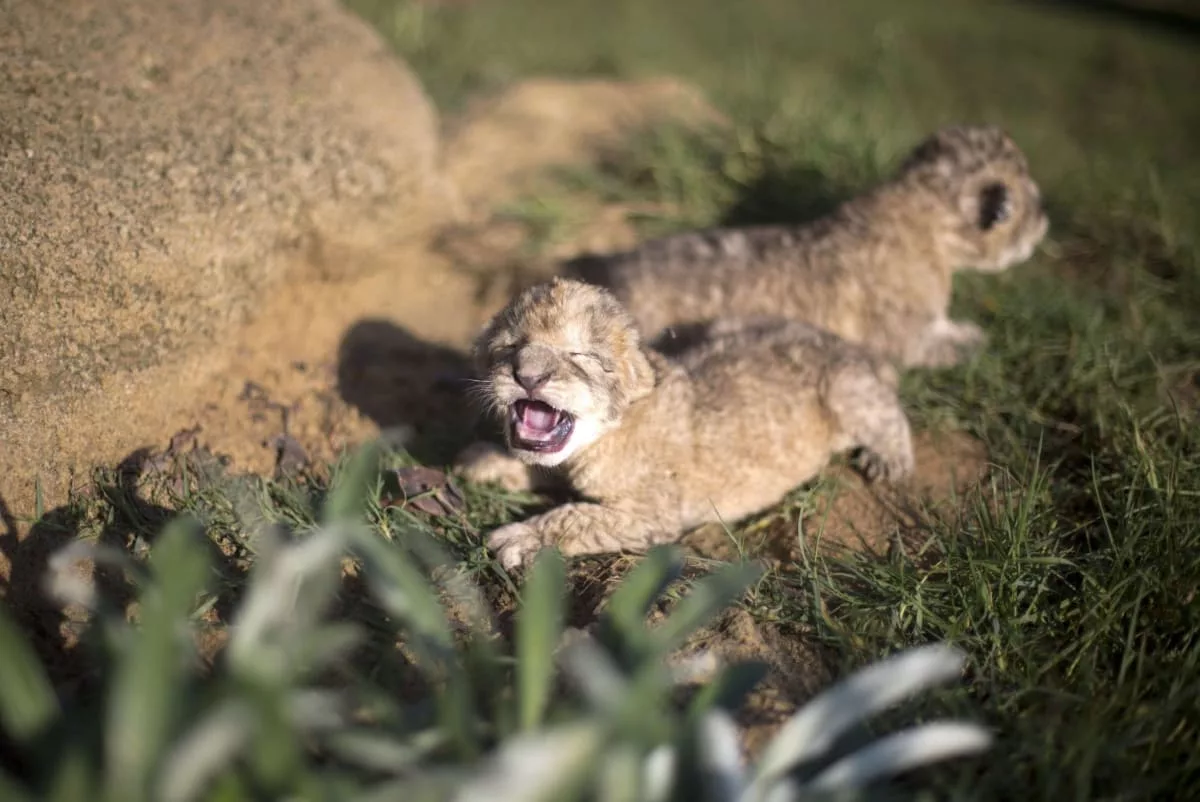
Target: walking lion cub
x: 876, y: 271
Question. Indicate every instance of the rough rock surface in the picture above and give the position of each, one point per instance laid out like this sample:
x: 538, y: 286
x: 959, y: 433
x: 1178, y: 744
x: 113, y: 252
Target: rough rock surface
x: 165, y: 166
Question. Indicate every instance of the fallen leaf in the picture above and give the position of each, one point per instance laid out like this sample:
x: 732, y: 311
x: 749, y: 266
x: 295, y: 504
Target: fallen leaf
x: 426, y: 489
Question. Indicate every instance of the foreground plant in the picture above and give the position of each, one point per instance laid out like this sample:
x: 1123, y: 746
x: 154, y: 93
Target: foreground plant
x: 286, y: 715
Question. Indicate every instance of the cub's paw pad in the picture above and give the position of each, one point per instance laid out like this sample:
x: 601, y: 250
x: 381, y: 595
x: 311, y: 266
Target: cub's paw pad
x: 515, y: 545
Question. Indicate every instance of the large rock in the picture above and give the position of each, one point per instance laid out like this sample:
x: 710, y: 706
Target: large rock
x: 164, y: 164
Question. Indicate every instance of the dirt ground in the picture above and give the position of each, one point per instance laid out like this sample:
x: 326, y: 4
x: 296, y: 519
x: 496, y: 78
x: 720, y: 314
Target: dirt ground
x: 328, y: 364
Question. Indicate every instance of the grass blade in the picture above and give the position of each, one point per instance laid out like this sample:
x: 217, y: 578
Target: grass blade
x: 539, y: 626
x: 27, y: 700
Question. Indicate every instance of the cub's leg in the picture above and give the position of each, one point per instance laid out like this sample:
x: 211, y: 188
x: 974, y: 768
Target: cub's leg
x: 576, y: 530
x: 862, y: 397
x: 945, y: 343
x: 483, y: 462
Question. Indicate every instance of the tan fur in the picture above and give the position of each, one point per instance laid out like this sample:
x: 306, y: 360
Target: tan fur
x: 876, y: 271
x: 662, y: 446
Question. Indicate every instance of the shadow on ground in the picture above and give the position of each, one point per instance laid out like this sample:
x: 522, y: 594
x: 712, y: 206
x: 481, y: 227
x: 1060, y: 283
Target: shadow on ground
x: 415, y: 391
x: 115, y: 514
x: 788, y: 196
x: 1181, y: 18
x: 128, y: 522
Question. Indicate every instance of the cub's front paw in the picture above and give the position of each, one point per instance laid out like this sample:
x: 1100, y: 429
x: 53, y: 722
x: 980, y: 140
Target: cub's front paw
x: 970, y: 337
x: 515, y: 545
x: 951, y: 343
x: 886, y: 467
x: 489, y: 463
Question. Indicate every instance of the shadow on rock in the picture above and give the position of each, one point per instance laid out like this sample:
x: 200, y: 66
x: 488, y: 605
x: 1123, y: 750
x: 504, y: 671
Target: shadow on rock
x: 417, y: 392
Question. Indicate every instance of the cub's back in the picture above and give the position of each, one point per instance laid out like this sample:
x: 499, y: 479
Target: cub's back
x: 697, y: 276
x: 760, y: 423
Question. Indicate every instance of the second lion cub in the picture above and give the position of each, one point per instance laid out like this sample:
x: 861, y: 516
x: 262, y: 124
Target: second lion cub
x: 876, y: 271
x: 656, y: 447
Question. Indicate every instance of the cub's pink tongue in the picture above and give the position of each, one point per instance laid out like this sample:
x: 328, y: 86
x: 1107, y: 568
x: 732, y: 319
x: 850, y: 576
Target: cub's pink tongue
x: 538, y: 417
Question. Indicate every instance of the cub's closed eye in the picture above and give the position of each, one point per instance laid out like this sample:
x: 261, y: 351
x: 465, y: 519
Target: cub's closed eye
x: 594, y: 359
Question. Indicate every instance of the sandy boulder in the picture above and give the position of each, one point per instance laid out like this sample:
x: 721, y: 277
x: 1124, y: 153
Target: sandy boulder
x: 164, y: 167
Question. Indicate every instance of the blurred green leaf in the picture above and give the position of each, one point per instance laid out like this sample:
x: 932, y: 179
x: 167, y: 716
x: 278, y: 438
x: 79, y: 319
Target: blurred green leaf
x: 623, y: 625
x: 216, y: 740
x: 707, y: 597
x: 377, y: 751
x: 356, y: 482
x: 12, y: 791
x: 403, y: 591
x: 275, y: 751
x: 658, y: 773
x: 813, y: 730
x: 546, y: 766
x: 539, y: 627
x: 902, y: 751
x: 720, y: 757
x: 27, y: 701
x: 74, y: 779
x: 285, y: 603
x: 329, y: 644
x: 594, y: 673
x: 728, y: 690
x: 620, y: 775
x: 148, y: 686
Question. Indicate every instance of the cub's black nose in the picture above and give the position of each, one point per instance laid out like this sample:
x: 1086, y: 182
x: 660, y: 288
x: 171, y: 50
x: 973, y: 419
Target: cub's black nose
x: 530, y: 381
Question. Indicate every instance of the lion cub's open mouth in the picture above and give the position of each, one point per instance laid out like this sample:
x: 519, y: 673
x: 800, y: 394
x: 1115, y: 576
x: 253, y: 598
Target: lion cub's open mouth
x: 537, y: 426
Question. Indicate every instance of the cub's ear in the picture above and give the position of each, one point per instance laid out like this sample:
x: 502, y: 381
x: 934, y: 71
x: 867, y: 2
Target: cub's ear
x: 992, y: 206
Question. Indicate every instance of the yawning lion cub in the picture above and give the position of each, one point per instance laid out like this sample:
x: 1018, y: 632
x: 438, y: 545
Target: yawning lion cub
x: 655, y: 447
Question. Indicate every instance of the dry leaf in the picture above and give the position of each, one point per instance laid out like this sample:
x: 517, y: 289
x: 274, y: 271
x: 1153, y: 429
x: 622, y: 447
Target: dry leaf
x: 426, y: 489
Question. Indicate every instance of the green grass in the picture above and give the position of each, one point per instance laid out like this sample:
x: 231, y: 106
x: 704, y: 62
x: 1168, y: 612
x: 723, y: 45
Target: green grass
x: 1071, y: 576
x: 312, y: 699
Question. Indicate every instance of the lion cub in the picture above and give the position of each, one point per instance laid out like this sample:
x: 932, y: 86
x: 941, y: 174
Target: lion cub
x: 657, y: 446
x: 876, y: 271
